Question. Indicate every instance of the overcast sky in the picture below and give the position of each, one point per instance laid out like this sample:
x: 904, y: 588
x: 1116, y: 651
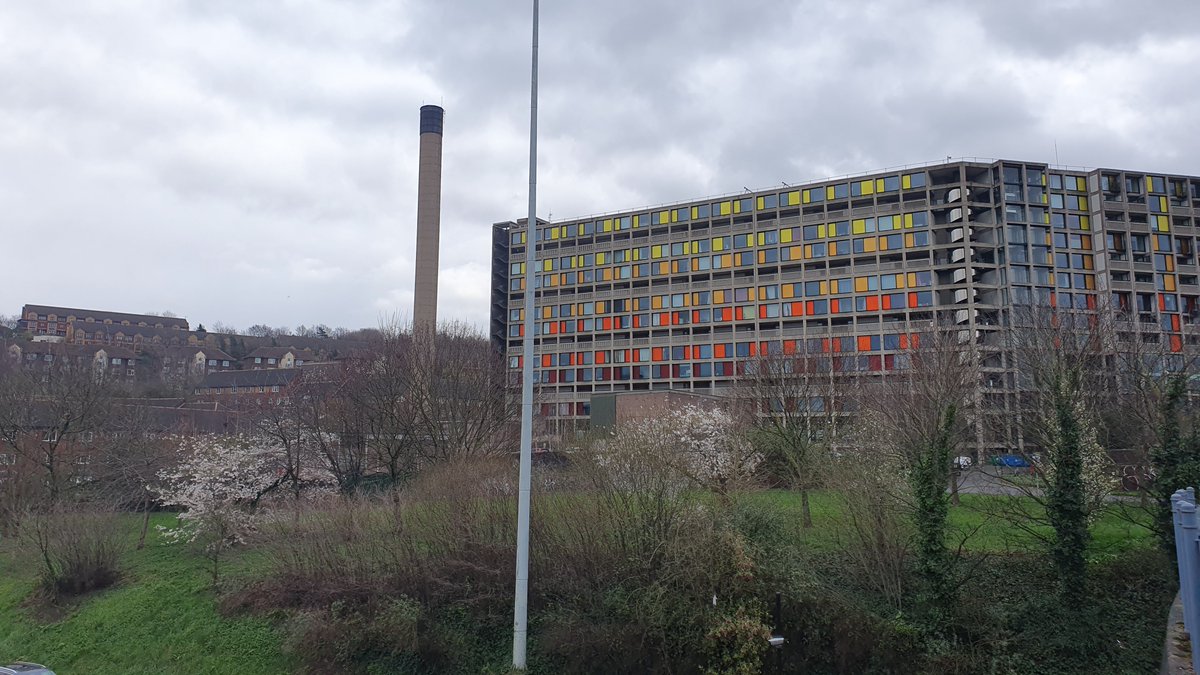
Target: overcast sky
x: 254, y: 161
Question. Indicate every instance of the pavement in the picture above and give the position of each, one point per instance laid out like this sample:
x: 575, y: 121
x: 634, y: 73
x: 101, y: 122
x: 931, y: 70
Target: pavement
x: 998, y: 480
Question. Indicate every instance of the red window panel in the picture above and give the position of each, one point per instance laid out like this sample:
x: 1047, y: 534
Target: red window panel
x: 912, y: 299
x: 797, y: 309
x: 1175, y: 323
x: 872, y: 303
x: 606, y: 323
x: 874, y: 363
x: 789, y: 347
x: 762, y: 311
x: 1176, y: 343
x: 1162, y: 302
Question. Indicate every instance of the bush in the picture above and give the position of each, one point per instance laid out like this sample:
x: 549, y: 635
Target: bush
x: 77, y: 551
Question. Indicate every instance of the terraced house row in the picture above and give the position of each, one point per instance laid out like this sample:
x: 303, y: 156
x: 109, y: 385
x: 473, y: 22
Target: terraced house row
x: 675, y: 297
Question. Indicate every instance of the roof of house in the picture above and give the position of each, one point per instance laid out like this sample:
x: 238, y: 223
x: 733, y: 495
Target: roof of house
x: 64, y: 349
x: 189, y: 351
x: 249, y: 378
x: 95, y: 330
x: 100, y: 316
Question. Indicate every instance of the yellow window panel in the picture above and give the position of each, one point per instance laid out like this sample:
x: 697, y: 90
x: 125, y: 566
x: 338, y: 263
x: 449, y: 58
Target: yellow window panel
x: 760, y: 204
x: 725, y: 208
x: 1089, y: 282
x: 1085, y: 223
x: 1170, y: 263
x: 869, y: 245
x: 821, y: 232
x: 860, y: 284
x: 546, y: 265
x: 834, y: 249
x: 750, y: 293
x: 1149, y: 184
x: 793, y: 198
x: 664, y: 216
x: 867, y: 187
x: 606, y: 274
x: 1083, y: 204
x: 718, y: 244
x: 787, y: 291
x: 1162, y: 203
x: 906, y: 181
x: 908, y: 240
x: 1045, y: 198
x: 796, y: 252
x: 726, y: 260
x: 912, y: 279
x: 807, y: 197
x: 882, y: 243
x: 718, y: 297
x: 695, y: 212
x: 762, y: 239
x: 908, y: 220
x: 808, y: 252
x: 785, y: 236
x: 829, y: 193
x: 824, y: 288
x: 1168, y: 282
x: 858, y: 226
x: 879, y: 185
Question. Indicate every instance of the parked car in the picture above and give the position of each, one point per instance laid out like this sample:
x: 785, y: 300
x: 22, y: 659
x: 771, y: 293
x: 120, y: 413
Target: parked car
x: 1011, y: 461
x: 23, y: 668
x: 963, y: 462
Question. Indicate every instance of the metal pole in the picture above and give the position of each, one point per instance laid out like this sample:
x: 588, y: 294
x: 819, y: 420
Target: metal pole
x: 521, y: 601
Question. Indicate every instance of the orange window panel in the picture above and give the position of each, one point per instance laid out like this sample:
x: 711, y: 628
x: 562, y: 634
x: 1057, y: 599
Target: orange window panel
x: 789, y: 346
x: 864, y: 343
x: 1176, y: 343
x: 658, y: 354
x: 912, y: 299
x: 1175, y: 322
x: 664, y: 318
x: 607, y: 323
x: 762, y: 311
x: 834, y: 306
x: 872, y: 303
x: 545, y: 360
x: 797, y: 309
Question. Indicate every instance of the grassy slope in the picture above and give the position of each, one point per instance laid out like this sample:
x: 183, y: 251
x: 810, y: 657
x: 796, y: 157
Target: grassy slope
x: 161, y: 618
x: 978, y: 520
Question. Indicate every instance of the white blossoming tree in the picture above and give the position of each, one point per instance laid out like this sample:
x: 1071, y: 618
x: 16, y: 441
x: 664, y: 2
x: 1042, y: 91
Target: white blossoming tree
x: 219, y: 484
x: 700, y: 447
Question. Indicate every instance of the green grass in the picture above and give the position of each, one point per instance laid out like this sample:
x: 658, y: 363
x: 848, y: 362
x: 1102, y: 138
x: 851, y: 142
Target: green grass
x: 979, y: 523
x: 160, y: 619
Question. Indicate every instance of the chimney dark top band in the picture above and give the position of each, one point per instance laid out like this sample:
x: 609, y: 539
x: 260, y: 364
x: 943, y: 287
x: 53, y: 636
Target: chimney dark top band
x: 431, y: 119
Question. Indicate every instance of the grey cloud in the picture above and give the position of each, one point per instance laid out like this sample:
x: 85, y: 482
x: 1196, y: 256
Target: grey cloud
x: 255, y: 160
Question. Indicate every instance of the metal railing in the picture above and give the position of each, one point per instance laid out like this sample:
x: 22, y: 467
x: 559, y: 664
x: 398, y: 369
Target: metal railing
x: 1187, y: 554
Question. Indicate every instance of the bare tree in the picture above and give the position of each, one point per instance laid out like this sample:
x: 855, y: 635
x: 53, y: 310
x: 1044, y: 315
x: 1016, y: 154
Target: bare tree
x: 49, y: 415
x: 920, y: 415
x: 1065, y: 366
x: 797, y: 404
x: 130, y: 455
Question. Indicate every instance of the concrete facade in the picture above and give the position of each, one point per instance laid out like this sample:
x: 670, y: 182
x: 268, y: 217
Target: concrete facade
x: 676, y: 297
x: 429, y: 213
